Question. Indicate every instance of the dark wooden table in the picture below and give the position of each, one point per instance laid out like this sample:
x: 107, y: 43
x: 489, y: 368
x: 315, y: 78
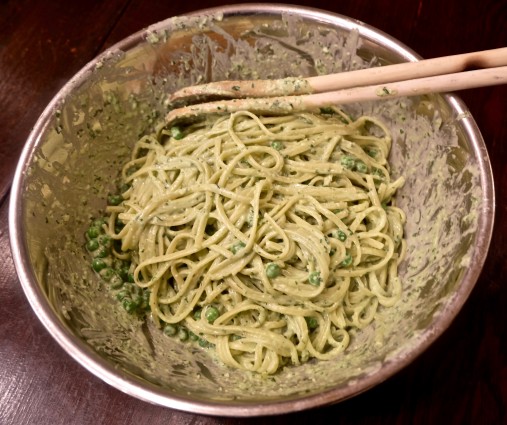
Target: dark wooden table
x: 461, y: 379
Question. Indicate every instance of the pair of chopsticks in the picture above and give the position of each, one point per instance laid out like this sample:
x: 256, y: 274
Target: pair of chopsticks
x: 437, y: 75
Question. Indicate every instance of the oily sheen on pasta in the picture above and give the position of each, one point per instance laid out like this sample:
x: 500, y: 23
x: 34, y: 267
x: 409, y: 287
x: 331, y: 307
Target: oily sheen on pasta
x: 270, y: 238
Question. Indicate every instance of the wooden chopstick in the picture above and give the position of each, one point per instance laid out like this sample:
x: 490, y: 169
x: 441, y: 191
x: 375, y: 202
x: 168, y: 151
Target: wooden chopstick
x: 324, y: 83
x: 410, y: 70
x: 290, y: 104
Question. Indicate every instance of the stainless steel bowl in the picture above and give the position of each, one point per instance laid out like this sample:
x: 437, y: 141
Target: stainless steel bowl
x: 75, y: 150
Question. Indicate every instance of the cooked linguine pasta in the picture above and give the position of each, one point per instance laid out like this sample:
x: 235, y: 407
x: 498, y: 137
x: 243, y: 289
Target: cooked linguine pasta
x: 269, y: 238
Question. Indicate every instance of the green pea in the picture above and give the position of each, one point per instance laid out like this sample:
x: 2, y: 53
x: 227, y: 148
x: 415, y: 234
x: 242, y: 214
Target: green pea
x: 314, y: 278
x: 211, y: 313
x: 170, y: 330
x: 99, y: 222
x: 277, y: 145
x: 98, y: 264
x: 182, y: 334
x: 193, y: 336
x: 347, y: 261
x: 114, y: 200
x: 312, y: 322
x: 129, y: 305
x: 107, y: 273
x: 361, y: 167
x: 203, y: 343
x: 116, y: 282
x: 372, y: 152
x: 102, y: 252
x: 104, y: 240
x: 92, y: 245
x: 272, y: 270
x: 348, y: 162
x: 237, y: 247
x: 120, y: 296
x: 340, y: 235
x: 197, y: 314
x: 176, y: 132
x: 93, y: 232
x: 123, y: 272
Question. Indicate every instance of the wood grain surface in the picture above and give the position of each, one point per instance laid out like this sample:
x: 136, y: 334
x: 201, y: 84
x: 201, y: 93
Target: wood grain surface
x: 461, y: 379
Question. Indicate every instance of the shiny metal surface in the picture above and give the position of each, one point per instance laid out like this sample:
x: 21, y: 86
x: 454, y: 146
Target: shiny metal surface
x: 30, y: 277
